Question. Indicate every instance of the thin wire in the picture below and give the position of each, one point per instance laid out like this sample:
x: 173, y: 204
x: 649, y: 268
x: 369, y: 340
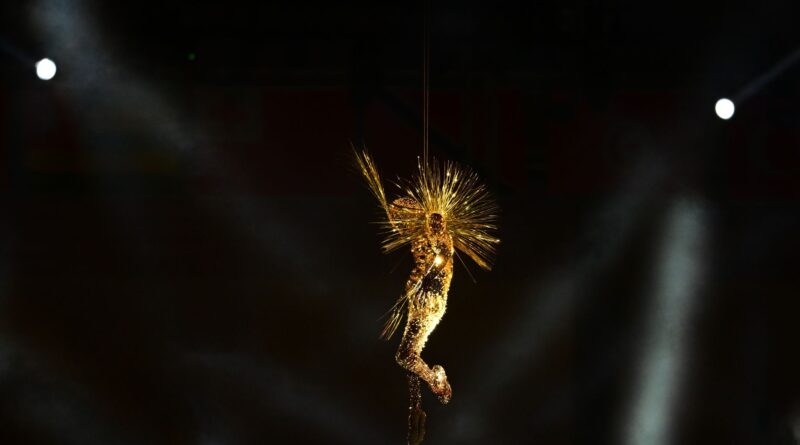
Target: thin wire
x: 426, y: 81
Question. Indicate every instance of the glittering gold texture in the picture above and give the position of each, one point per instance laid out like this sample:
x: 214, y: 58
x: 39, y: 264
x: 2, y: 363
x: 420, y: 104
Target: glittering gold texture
x: 441, y: 211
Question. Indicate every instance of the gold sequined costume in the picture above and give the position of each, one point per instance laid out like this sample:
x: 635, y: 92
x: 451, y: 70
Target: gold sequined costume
x: 443, y: 210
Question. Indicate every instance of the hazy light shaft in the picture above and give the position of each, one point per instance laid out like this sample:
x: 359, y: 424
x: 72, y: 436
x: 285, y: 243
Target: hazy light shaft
x: 676, y: 285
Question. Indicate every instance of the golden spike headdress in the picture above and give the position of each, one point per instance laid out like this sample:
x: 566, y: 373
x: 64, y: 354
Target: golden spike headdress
x: 454, y: 192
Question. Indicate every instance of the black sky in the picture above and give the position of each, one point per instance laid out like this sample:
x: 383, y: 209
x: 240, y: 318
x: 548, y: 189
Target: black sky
x: 187, y: 255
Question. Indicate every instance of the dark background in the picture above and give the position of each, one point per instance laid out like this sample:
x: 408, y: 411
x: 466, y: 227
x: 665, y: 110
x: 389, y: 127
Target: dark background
x: 187, y: 255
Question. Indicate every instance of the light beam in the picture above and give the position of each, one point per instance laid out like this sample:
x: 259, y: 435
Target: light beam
x: 666, y: 327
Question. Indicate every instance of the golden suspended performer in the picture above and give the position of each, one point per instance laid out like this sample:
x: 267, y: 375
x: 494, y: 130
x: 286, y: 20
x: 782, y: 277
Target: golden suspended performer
x: 440, y: 212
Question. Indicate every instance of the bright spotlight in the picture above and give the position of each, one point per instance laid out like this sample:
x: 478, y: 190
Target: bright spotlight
x: 724, y: 108
x: 45, y: 69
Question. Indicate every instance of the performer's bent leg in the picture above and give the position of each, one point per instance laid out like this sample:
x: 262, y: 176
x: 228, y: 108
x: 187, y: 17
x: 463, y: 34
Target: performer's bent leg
x: 408, y: 357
